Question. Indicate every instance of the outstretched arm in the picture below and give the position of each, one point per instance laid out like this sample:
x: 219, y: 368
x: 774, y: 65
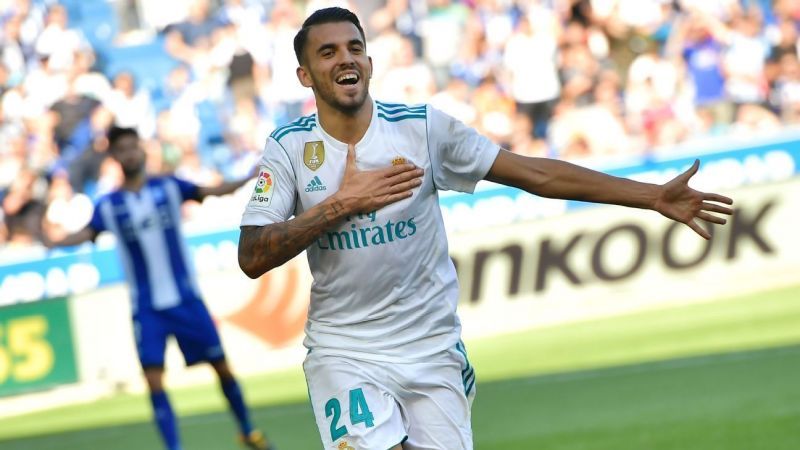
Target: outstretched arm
x: 262, y: 248
x: 79, y: 237
x: 558, y: 179
x: 224, y: 188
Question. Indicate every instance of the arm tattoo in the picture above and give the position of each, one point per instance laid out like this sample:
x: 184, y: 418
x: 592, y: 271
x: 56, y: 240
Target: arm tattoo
x: 263, y: 248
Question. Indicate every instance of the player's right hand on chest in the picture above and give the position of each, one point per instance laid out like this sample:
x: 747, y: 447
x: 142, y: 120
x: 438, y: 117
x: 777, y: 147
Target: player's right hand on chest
x: 370, y: 190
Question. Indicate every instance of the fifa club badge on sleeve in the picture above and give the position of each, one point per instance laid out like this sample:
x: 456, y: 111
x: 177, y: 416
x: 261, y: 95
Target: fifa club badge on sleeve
x: 397, y: 160
x: 314, y: 154
x: 264, y: 187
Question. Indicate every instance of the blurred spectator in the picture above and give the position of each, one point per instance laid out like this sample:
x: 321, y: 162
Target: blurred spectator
x: 110, y: 177
x: 579, y: 71
x: 530, y: 60
x: 43, y: 86
x: 522, y: 140
x: 442, y: 30
x: 131, y: 106
x: 86, y: 81
x: 653, y: 98
x: 58, y: 42
x: 495, y: 110
x: 271, y: 110
x: 588, y: 131
x: 719, y: 9
x: 23, y: 209
x: 472, y: 64
x: 786, y: 39
x: 4, y: 85
x: 752, y: 120
x: 454, y: 100
x: 280, y: 31
x: 31, y: 18
x: 786, y: 90
x: 13, y: 154
x: 787, y: 9
x: 16, y: 54
x: 67, y: 212
x: 84, y: 170
x: 497, y: 20
x: 407, y: 80
x: 703, y: 54
x: 629, y: 26
x: 244, y: 138
x: 73, y: 131
x: 747, y: 51
x: 383, y: 46
x: 184, y: 39
x: 243, y: 14
x: 190, y: 168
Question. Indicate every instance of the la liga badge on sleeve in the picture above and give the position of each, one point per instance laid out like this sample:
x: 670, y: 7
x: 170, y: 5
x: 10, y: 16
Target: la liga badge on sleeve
x: 265, y: 185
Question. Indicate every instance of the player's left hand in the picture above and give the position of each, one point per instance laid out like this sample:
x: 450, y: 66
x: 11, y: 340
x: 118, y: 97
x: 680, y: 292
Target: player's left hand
x: 681, y: 203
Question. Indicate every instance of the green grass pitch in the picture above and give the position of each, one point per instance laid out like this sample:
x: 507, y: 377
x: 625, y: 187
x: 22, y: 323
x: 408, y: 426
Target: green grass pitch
x: 714, y: 376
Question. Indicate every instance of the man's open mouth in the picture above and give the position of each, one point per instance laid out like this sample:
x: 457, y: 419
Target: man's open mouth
x: 348, y: 78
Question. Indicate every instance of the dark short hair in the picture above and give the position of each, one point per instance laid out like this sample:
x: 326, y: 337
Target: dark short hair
x: 116, y: 133
x: 319, y: 17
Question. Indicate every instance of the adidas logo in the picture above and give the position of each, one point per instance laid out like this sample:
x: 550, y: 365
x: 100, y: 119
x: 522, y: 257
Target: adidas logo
x: 316, y: 185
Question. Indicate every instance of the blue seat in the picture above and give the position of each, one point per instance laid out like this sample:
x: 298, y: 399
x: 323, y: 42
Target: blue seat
x: 149, y: 63
x: 96, y: 19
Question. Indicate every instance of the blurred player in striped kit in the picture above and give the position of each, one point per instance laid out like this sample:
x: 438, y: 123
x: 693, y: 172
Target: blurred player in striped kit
x: 144, y: 215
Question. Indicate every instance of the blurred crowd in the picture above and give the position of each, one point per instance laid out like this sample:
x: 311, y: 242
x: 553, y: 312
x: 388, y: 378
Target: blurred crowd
x: 573, y: 79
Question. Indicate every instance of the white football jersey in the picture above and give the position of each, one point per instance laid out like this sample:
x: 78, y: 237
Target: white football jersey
x: 384, y: 286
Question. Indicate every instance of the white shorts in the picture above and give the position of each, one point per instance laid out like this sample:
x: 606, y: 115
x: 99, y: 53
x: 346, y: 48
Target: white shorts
x: 371, y: 405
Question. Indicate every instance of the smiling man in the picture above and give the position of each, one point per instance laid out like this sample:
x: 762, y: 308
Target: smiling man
x: 355, y: 186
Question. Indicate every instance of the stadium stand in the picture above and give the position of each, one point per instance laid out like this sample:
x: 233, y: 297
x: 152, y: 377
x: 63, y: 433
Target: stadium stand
x: 205, y: 81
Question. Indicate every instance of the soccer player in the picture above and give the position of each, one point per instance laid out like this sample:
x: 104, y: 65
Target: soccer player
x: 144, y: 215
x: 355, y: 186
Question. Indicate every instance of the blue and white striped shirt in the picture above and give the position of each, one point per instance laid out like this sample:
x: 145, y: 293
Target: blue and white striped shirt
x: 154, y: 254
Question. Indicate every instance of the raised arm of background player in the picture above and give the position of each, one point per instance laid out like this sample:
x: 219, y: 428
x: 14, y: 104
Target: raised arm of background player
x: 88, y: 233
x: 558, y: 179
x: 262, y: 248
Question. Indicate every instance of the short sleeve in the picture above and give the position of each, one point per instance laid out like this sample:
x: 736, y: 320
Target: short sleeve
x: 97, y: 222
x: 687, y: 53
x: 189, y: 191
x: 460, y: 156
x: 275, y: 194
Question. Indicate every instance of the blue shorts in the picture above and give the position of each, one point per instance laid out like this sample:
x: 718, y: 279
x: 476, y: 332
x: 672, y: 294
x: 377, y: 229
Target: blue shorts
x: 189, y: 322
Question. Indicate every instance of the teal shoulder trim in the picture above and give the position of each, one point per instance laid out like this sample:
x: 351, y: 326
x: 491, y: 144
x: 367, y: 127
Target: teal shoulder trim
x: 396, y: 108
x: 301, y: 121
x: 385, y: 105
x: 395, y: 112
x: 305, y: 123
x: 310, y: 127
x: 401, y: 117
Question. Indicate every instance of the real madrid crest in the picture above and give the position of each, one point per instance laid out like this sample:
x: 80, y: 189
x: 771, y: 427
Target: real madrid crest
x: 314, y: 154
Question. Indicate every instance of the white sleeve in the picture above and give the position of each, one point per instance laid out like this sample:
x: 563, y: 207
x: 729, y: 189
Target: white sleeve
x: 460, y: 156
x: 275, y: 193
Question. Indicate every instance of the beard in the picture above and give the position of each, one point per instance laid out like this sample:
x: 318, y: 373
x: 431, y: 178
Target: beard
x: 132, y: 170
x: 350, y: 105
x: 349, y: 108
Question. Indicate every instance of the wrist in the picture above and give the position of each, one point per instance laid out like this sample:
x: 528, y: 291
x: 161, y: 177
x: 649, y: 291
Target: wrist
x: 655, y: 197
x: 340, y: 207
